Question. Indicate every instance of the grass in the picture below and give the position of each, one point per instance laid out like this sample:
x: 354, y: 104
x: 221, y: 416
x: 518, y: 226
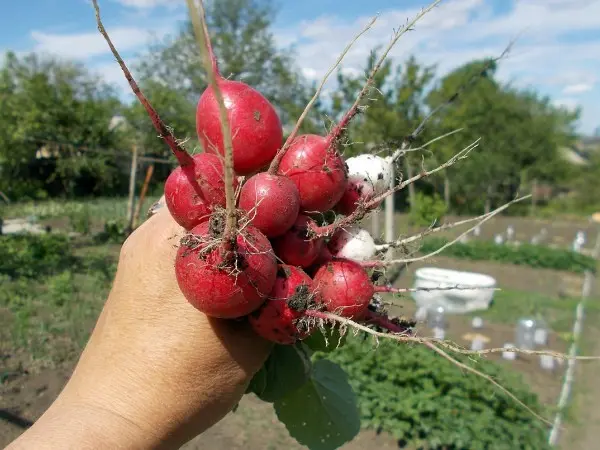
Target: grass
x: 536, y: 256
x: 585, y: 381
x: 509, y: 306
x: 50, y: 318
x: 100, y: 209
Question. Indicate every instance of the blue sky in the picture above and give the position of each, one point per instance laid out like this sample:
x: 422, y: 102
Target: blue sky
x: 558, y: 52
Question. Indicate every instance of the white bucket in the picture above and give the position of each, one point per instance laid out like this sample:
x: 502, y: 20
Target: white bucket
x: 456, y: 301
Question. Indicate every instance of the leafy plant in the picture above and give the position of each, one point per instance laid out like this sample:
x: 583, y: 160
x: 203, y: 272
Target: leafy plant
x: 26, y: 255
x: 114, y: 231
x: 313, y: 399
x: 80, y: 219
x: 424, y: 402
x: 427, y: 209
x: 525, y: 254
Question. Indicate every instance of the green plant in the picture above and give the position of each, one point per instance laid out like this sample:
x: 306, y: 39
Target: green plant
x: 525, y: 254
x: 114, y: 231
x: 427, y: 209
x: 80, y: 219
x: 25, y: 255
x: 424, y: 402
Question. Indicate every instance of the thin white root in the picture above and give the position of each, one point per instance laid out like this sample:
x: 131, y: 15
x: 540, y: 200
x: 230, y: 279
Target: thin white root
x: 405, y: 337
x: 310, y: 104
x: 328, y: 230
x: 484, y: 219
x: 446, y: 226
x: 487, y: 378
x: 457, y: 287
x: 432, y: 344
x: 404, y: 148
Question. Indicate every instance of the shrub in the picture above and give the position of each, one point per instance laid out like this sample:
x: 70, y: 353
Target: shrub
x: 25, y: 255
x: 80, y: 219
x: 424, y: 401
x: 115, y: 231
x: 525, y: 254
x: 427, y: 209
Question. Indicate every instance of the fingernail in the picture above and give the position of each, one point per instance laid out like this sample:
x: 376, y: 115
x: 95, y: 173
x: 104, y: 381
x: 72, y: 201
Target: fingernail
x: 156, y: 206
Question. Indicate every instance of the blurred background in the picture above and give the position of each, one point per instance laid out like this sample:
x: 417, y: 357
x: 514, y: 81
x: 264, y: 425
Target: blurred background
x: 80, y: 164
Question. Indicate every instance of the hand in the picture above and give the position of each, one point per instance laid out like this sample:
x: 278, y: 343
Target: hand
x: 156, y: 372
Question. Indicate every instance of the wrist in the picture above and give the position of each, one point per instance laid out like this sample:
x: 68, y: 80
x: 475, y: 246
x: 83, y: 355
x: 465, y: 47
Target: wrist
x: 86, y: 426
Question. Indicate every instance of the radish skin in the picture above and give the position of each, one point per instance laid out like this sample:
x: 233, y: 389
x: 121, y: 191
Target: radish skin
x: 272, y: 203
x: 277, y: 319
x: 221, y: 288
x: 344, y: 287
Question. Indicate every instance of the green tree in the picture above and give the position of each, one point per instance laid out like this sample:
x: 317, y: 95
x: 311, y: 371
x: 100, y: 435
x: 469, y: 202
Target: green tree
x: 520, y: 132
x: 395, y: 109
x: 59, y: 105
x: 585, y: 185
x: 175, y: 110
x: 245, y: 47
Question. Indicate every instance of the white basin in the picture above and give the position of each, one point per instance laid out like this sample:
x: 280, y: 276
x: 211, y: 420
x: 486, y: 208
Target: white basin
x: 457, y: 301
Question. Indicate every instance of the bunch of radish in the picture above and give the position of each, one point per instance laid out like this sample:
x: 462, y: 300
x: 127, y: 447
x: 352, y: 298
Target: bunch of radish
x: 272, y: 236
x: 253, y: 258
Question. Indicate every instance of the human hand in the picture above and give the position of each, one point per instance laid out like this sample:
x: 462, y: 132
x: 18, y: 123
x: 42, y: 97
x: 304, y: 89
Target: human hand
x: 156, y: 372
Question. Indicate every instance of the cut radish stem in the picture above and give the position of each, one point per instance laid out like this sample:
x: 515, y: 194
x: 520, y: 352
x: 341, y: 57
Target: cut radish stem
x: 219, y: 287
x: 272, y: 203
x: 191, y: 202
x: 368, y: 176
x: 278, y: 319
x: 344, y: 287
x: 295, y: 247
x: 317, y: 170
x: 255, y: 126
x: 353, y: 243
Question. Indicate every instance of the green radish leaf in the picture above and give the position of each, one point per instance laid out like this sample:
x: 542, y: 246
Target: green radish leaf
x: 325, y: 340
x: 287, y: 368
x: 322, y: 414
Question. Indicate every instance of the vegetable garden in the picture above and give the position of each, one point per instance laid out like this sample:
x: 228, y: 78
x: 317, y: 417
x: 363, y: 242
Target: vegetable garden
x: 274, y: 228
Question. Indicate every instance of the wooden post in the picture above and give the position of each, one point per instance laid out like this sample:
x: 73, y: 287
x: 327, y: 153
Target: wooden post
x: 447, y: 190
x: 136, y: 216
x: 534, y: 193
x: 130, y: 202
x: 376, y: 223
x: 389, y: 218
x: 411, y: 186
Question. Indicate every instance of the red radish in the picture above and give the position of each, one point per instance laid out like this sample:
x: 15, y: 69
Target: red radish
x: 323, y: 257
x: 220, y: 288
x: 192, y: 201
x: 277, y: 319
x: 272, y: 203
x: 350, y: 200
x: 318, y: 171
x: 256, y: 129
x: 295, y: 247
x: 344, y: 287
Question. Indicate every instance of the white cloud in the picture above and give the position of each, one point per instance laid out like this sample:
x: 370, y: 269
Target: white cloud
x: 309, y: 73
x: 546, y: 55
x: 111, y: 72
x: 578, y: 88
x: 149, y: 4
x: 566, y: 102
x: 87, y: 45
